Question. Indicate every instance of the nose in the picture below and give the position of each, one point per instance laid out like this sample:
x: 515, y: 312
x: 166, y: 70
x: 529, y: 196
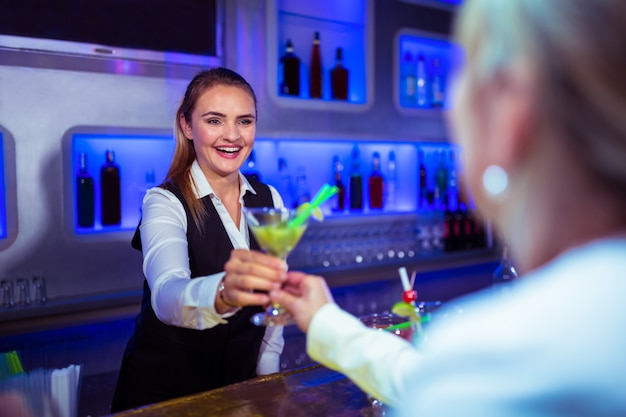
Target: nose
x: 231, y: 131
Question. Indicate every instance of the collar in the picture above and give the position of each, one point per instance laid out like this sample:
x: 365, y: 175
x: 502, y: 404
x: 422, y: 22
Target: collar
x: 203, y: 188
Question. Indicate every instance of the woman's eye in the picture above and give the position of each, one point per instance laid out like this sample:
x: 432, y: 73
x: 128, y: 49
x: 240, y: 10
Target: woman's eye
x: 245, y: 121
x: 213, y: 121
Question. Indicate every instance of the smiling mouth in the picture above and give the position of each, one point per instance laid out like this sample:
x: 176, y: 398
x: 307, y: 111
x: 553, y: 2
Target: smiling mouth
x: 228, y: 149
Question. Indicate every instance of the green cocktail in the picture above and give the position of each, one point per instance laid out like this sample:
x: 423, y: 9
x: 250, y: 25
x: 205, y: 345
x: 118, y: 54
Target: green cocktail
x: 272, y: 231
x: 278, y: 240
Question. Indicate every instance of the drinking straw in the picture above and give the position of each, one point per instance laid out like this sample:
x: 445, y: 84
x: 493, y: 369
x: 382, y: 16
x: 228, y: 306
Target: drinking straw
x: 404, y: 277
x: 322, y: 195
x: 406, y: 324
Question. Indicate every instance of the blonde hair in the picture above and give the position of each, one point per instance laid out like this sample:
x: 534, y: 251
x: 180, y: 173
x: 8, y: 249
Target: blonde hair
x: 179, y: 172
x: 578, y: 50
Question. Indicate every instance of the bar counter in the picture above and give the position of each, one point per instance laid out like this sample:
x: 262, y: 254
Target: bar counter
x: 306, y: 392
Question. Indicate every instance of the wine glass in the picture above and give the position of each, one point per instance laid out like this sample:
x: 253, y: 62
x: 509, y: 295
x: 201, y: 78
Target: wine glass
x: 402, y: 328
x: 277, y: 237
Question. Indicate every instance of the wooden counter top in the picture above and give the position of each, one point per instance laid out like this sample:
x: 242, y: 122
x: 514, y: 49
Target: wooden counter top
x: 312, y: 391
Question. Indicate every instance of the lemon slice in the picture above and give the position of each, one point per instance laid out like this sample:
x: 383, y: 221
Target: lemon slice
x: 316, y: 213
x: 406, y: 310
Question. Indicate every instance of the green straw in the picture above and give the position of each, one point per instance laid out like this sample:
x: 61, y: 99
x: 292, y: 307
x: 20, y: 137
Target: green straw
x: 407, y: 324
x: 322, y: 195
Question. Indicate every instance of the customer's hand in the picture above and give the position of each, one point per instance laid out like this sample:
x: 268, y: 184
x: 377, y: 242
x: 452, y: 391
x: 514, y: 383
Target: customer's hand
x: 302, y: 295
x: 250, y: 275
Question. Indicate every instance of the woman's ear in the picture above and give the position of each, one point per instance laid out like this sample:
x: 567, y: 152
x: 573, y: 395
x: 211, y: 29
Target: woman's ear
x: 184, y: 126
x: 510, y: 135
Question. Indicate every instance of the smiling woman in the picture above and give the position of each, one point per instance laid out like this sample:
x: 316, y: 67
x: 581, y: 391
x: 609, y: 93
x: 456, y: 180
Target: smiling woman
x: 194, y: 331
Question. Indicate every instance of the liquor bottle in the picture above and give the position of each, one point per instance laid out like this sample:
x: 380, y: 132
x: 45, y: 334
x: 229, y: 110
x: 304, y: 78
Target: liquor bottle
x: 251, y: 170
x: 391, y: 183
x: 303, y: 192
x: 468, y: 227
x: 421, y: 92
x: 339, y: 78
x: 423, y: 174
x: 110, y: 191
x: 504, y: 273
x: 85, y: 197
x: 286, y: 185
x: 315, y: 71
x: 356, y: 182
x: 453, y: 185
x: 407, y: 80
x: 441, y: 183
x: 448, y: 228
x: 340, y: 198
x: 290, y: 85
x: 437, y: 84
x: 375, y: 184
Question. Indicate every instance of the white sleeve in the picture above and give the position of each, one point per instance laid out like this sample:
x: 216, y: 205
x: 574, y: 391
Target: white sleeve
x: 271, y: 349
x: 176, y: 298
x: 380, y: 363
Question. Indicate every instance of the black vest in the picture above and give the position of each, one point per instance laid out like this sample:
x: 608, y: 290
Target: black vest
x: 174, y: 361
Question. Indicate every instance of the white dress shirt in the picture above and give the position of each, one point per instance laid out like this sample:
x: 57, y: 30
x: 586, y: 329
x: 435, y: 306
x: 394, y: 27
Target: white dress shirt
x: 176, y: 298
x: 554, y: 346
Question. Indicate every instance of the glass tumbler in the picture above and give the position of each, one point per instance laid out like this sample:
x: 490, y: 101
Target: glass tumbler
x: 22, y: 292
x: 6, y: 289
x: 39, y: 290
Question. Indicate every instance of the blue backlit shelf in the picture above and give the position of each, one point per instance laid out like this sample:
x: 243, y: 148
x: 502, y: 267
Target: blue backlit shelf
x: 348, y: 25
x: 440, y: 57
x: 143, y: 157
x: 440, y: 4
x: 8, y: 188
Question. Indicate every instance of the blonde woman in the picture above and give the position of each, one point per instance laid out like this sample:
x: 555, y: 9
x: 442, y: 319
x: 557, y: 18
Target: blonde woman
x: 540, y: 112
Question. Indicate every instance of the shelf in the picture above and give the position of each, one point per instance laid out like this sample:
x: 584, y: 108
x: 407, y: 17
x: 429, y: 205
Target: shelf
x: 423, y: 87
x: 345, y: 25
x: 439, y: 4
x: 142, y: 157
x: 8, y: 189
x: 309, y: 165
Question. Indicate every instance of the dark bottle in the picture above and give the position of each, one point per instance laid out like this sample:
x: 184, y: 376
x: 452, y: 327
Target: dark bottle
x: 340, y: 198
x: 421, y: 90
x: 391, y: 185
x: 407, y: 80
x: 290, y: 85
x: 303, y: 192
x: 468, y: 228
x: 448, y: 234
x: 453, y: 184
x: 110, y: 191
x: 315, y: 71
x: 339, y: 78
x: 437, y: 87
x: 286, y: 185
x: 441, y: 183
x: 85, y: 197
x: 251, y: 170
x: 422, y: 180
x: 375, y: 184
x: 356, y: 182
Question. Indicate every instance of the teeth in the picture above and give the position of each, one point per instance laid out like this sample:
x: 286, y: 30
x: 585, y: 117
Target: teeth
x: 228, y: 150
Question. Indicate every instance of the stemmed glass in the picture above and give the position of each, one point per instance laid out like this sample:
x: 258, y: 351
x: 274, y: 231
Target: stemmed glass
x: 277, y: 237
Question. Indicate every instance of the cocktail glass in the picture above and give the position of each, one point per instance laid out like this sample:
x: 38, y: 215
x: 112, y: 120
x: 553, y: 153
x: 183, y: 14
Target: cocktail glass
x: 382, y: 322
x: 271, y: 229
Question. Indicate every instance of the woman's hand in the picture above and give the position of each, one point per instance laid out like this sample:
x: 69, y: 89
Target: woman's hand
x: 250, y: 276
x: 302, y: 295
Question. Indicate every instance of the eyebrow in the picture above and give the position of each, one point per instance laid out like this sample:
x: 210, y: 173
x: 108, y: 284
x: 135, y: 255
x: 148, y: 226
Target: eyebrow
x: 215, y: 113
